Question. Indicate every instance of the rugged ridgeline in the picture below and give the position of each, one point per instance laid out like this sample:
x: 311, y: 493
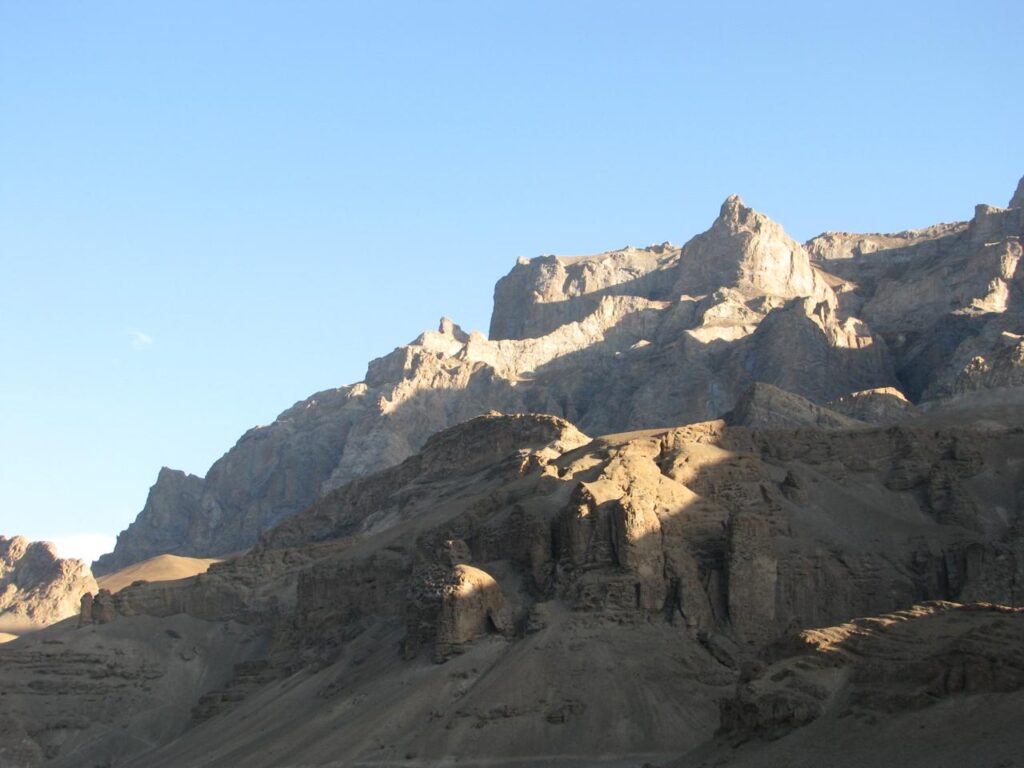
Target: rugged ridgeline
x: 834, y: 568
x: 632, y: 339
x: 38, y: 588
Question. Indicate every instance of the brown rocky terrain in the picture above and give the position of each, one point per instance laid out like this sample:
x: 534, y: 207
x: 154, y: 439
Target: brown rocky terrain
x: 159, y: 568
x: 37, y: 588
x: 633, y: 339
x: 867, y: 667
x: 936, y: 684
x: 590, y: 601
x: 96, y: 695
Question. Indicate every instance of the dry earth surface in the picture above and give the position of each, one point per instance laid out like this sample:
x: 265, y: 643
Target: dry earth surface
x: 159, y: 568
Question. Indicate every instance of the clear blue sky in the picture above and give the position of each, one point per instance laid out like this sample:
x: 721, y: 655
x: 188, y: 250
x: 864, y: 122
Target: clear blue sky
x: 209, y: 210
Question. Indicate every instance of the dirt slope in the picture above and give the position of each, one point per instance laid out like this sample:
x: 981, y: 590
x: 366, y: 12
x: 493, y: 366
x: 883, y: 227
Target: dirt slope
x: 159, y: 568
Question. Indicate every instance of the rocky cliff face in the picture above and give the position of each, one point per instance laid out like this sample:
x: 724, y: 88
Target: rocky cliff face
x: 167, y: 519
x: 633, y: 339
x: 38, y: 588
x: 942, y: 298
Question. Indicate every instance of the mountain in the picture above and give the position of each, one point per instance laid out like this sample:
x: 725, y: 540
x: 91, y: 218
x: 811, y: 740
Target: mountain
x: 633, y: 339
x: 743, y: 502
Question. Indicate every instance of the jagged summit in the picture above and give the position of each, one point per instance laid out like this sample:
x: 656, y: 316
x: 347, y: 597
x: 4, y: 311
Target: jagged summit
x: 732, y: 207
x: 743, y: 250
x: 1017, y: 201
x: 449, y: 327
x: 746, y: 250
x: 632, y: 339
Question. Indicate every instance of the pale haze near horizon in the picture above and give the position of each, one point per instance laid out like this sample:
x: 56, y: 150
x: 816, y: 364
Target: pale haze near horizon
x: 211, y: 211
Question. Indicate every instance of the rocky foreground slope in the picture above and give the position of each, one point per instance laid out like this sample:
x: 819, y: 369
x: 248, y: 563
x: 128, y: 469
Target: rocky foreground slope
x: 632, y: 339
x: 518, y: 593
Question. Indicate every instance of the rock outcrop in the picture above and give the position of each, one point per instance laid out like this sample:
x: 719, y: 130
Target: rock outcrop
x: 914, y: 663
x: 471, y: 604
x: 884, y: 405
x: 38, y: 588
x: 559, y: 290
x: 764, y: 405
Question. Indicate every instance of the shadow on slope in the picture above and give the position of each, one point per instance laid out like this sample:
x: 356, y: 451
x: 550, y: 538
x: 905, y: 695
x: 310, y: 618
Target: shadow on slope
x: 640, y: 570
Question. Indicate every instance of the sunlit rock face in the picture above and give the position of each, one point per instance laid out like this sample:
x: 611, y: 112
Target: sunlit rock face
x: 630, y: 339
x: 746, y: 251
x: 37, y: 587
x: 542, y: 294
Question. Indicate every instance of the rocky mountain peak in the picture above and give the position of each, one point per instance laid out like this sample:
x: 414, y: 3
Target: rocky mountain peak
x: 748, y: 251
x: 1017, y: 201
x: 449, y: 329
x: 733, y: 209
x: 735, y: 216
